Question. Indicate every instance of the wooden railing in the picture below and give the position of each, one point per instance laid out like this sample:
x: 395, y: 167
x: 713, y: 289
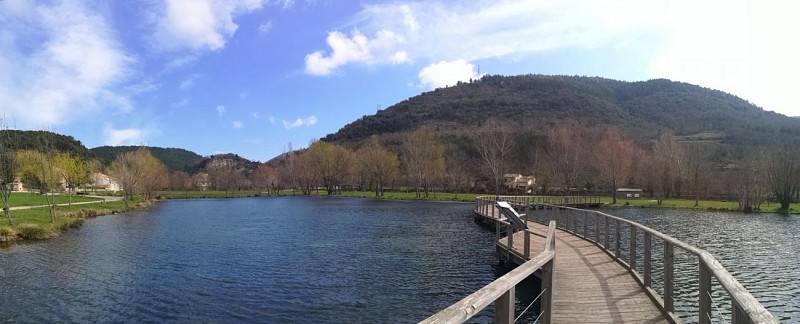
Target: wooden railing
x: 606, y: 232
x: 484, y: 205
x: 501, y: 291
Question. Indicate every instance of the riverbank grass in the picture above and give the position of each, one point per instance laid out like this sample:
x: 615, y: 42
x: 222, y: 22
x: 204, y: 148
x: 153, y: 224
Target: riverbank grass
x: 402, y: 195
x: 19, y: 199
x: 35, y: 223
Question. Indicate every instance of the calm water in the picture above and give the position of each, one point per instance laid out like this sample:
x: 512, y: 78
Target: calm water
x: 274, y: 260
x: 760, y: 250
x: 321, y: 260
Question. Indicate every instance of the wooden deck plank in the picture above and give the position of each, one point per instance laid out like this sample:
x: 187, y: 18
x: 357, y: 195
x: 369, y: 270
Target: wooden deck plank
x: 590, y: 286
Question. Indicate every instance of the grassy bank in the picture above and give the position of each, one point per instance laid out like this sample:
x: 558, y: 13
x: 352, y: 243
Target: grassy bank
x: 36, y: 199
x: 400, y: 195
x: 690, y: 204
x: 205, y: 194
x: 35, y: 224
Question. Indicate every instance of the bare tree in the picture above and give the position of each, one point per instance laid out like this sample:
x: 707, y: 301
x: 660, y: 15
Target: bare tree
x: 748, y: 182
x: 378, y: 164
x: 8, y: 168
x: 697, y: 166
x: 782, y: 171
x: 567, y: 156
x: 495, y: 149
x: 332, y: 163
x: 423, y: 159
x: 667, y: 164
x: 612, y: 158
x: 305, y: 173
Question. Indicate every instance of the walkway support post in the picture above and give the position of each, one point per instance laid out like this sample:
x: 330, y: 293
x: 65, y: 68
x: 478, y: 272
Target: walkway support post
x: 704, y: 294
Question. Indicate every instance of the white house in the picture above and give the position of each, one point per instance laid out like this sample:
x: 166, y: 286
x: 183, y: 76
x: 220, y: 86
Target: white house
x: 102, y: 181
x: 629, y: 193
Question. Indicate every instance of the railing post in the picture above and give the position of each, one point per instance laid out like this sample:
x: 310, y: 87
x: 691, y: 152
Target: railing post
x: 737, y: 315
x: 585, y: 224
x: 608, y: 239
x: 704, y: 294
x: 527, y: 247
x: 633, y: 248
x: 647, y: 259
x: 547, y: 295
x: 597, y: 228
x: 510, y: 233
x: 504, y: 308
x: 669, y: 275
x: 618, y: 239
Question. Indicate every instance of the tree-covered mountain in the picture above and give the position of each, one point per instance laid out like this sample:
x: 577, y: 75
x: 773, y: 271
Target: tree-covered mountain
x: 237, y: 162
x: 36, y: 140
x: 176, y: 159
x: 536, y: 103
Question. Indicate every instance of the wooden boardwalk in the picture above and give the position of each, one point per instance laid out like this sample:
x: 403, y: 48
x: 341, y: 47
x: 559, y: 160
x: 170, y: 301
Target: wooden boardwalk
x: 589, y: 285
x: 587, y: 278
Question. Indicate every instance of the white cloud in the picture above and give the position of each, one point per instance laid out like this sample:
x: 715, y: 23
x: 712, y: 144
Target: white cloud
x: 265, y: 27
x: 188, y: 83
x: 402, y: 32
x: 356, y: 48
x: 199, y: 24
x: 272, y: 120
x: 220, y: 110
x: 308, y: 121
x: 127, y: 136
x: 444, y: 73
x: 60, y: 62
x: 256, y: 115
x: 741, y: 47
x: 182, y: 103
x: 237, y: 124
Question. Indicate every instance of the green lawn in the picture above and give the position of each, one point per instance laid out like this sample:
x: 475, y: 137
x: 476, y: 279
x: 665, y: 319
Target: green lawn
x: 401, y: 195
x: 689, y: 203
x: 35, y: 223
x: 36, y: 199
x: 205, y: 194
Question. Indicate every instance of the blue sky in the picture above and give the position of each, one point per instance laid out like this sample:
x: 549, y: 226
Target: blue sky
x: 251, y: 76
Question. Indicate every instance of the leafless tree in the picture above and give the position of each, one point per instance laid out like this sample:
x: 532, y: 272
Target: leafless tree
x: 495, y: 149
x: 667, y: 165
x: 378, y: 165
x: 697, y: 166
x: 8, y: 168
x: 782, y: 171
x: 423, y: 159
x: 612, y: 158
x: 748, y: 181
x: 567, y: 156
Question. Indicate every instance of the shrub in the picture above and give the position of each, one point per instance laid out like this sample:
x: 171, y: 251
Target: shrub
x: 32, y: 232
x: 7, y: 234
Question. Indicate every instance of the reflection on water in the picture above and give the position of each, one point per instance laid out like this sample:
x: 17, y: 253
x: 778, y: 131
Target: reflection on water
x: 292, y: 259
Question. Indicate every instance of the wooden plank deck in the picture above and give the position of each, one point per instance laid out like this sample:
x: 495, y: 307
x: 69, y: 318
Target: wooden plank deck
x: 590, y: 286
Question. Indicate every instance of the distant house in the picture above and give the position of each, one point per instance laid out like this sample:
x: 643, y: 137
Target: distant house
x: 517, y: 181
x: 629, y: 193
x: 17, y: 185
x: 104, y: 182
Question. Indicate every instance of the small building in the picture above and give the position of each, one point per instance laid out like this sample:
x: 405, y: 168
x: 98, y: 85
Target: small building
x: 104, y: 182
x: 517, y: 181
x: 17, y: 185
x: 629, y: 193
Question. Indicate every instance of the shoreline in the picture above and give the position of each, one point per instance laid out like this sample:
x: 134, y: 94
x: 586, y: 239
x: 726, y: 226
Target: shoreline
x: 31, y: 227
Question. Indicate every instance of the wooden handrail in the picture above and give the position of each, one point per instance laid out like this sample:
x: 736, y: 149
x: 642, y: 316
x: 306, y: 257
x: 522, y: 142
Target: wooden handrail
x: 744, y: 309
x: 501, y: 291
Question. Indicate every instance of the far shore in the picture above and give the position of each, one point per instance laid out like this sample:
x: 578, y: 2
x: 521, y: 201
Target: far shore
x: 32, y: 220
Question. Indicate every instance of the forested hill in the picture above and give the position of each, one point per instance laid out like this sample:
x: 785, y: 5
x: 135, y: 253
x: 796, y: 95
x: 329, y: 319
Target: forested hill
x: 176, y: 159
x: 537, y: 102
x: 37, y: 140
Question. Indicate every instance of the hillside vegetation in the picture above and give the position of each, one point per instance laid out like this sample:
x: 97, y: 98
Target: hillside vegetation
x: 175, y: 159
x: 642, y: 110
x: 34, y: 140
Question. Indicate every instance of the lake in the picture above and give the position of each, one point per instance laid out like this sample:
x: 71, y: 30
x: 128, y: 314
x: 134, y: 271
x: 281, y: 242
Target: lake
x: 328, y: 260
x: 279, y: 260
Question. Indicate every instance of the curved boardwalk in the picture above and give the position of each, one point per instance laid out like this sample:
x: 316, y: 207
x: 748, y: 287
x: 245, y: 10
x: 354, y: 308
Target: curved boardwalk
x: 589, y: 285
